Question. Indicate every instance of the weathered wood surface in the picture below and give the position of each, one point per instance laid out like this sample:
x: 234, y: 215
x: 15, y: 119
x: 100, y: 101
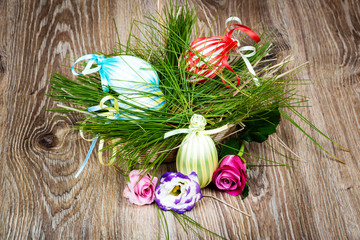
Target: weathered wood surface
x: 40, y: 154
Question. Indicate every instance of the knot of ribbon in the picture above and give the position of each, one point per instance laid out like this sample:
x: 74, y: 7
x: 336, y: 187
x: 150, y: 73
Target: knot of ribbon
x: 197, y: 125
x: 101, y: 62
x: 93, y: 58
x: 242, y: 50
x: 112, y: 112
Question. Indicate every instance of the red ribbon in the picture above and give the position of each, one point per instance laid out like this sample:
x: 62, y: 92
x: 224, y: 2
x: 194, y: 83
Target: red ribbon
x: 246, y: 30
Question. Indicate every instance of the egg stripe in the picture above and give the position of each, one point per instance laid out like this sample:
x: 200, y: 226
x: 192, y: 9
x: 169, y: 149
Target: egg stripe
x: 210, y: 61
x: 198, y: 163
x: 153, y: 101
x: 208, y: 49
x: 188, y: 157
x: 205, y: 60
x: 151, y: 105
x: 210, y: 159
x: 209, y: 53
x: 214, y: 157
x: 203, y: 166
x: 183, y: 155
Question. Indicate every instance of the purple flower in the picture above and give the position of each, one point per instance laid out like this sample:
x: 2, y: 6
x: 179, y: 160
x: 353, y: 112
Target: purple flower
x: 231, y: 175
x: 178, y: 192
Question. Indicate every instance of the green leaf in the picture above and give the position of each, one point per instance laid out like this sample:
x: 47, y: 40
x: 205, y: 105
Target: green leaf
x: 231, y: 147
x: 258, y: 127
x: 245, y: 193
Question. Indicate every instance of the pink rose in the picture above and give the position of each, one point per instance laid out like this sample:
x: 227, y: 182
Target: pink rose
x: 140, y: 192
x: 231, y: 175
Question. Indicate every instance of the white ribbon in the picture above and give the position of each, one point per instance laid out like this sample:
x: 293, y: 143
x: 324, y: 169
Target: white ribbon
x: 197, y: 125
x: 247, y: 62
x: 233, y: 18
x: 92, y: 60
x: 244, y: 50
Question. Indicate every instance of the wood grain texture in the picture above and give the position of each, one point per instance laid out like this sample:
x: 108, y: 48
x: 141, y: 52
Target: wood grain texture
x: 40, y: 199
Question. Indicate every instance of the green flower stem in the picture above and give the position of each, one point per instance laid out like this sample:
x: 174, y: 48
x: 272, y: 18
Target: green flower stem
x: 242, y: 148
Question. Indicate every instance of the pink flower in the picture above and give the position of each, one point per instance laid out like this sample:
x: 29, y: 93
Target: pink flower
x: 140, y: 192
x: 231, y: 175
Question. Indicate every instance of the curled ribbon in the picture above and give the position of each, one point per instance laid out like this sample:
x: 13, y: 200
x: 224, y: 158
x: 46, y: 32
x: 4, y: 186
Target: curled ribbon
x: 112, y: 113
x: 244, y: 49
x: 92, y: 60
x: 197, y: 125
x: 247, y: 62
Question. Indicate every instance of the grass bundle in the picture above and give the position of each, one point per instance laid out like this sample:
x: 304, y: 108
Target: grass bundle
x: 140, y: 140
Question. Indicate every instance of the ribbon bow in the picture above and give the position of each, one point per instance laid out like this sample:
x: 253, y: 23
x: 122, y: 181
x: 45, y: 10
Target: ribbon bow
x: 197, y: 125
x: 111, y: 112
x: 92, y: 60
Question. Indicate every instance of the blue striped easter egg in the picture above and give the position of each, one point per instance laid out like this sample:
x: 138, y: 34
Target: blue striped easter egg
x: 120, y: 72
x: 133, y: 78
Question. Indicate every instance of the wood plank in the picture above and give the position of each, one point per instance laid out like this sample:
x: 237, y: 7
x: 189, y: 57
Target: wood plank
x: 41, y: 153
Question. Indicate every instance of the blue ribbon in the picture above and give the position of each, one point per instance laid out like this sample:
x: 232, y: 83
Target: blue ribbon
x: 87, y: 156
x: 93, y: 59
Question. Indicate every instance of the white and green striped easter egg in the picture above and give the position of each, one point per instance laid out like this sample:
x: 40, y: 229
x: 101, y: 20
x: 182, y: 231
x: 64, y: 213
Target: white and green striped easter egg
x: 198, y: 154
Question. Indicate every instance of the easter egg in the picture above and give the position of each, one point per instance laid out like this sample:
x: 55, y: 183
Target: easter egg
x: 133, y: 78
x: 207, y: 57
x: 198, y: 154
x: 120, y: 73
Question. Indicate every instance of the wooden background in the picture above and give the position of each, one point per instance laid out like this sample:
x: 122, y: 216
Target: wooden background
x: 39, y: 197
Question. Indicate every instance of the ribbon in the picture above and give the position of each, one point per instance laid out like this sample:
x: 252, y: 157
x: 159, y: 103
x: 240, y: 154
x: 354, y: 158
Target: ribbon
x: 121, y: 73
x: 197, y: 125
x: 92, y: 60
x: 112, y: 113
x: 244, y: 49
x: 247, y: 62
x: 233, y: 18
x: 87, y: 156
